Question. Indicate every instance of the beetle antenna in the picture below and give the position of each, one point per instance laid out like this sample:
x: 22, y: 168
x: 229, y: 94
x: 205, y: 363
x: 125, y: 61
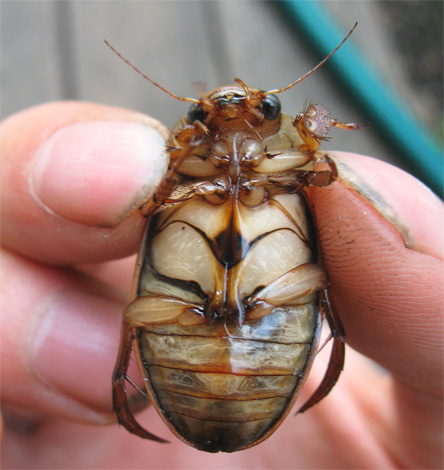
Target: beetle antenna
x: 180, y: 98
x: 280, y: 90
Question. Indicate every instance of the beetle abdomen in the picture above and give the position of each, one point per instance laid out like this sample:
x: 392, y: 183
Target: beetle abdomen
x: 224, y: 380
x: 224, y: 388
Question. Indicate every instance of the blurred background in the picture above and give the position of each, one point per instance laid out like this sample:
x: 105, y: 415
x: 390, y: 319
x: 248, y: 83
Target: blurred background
x: 389, y: 73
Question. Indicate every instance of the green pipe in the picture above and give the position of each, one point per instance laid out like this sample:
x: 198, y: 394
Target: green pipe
x: 399, y: 127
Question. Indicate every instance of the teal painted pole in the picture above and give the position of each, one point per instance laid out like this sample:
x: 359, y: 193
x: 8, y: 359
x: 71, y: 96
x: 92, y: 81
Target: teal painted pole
x: 400, y: 128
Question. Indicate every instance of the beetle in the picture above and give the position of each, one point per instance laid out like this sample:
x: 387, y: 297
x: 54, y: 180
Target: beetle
x: 229, y: 291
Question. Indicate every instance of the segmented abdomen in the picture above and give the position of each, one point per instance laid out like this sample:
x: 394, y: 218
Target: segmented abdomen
x: 223, y: 389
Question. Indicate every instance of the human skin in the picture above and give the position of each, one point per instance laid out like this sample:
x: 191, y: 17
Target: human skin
x: 73, y: 176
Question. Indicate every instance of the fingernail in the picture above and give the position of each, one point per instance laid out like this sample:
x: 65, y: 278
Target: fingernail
x: 75, y: 345
x: 98, y: 172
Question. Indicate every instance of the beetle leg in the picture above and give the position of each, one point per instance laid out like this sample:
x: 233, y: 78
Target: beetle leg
x: 293, y: 288
x: 161, y: 310
x: 190, y: 137
x: 324, y: 172
x: 336, y: 363
x: 181, y: 193
x: 318, y: 170
x: 166, y: 186
x: 121, y: 407
x: 143, y: 311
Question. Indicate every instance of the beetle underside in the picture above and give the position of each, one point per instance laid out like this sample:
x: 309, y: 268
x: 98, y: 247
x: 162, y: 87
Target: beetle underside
x: 229, y: 291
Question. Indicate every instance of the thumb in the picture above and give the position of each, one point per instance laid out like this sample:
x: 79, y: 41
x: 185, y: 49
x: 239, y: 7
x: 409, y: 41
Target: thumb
x: 69, y: 170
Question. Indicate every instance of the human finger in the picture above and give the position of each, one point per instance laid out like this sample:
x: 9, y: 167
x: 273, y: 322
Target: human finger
x: 380, y: 233
x: 73, y: 177
x: 61, y: 341
x: 381, y: 249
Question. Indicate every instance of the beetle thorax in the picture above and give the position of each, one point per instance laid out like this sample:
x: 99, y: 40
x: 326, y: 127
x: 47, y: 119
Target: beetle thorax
x: 235, y: 151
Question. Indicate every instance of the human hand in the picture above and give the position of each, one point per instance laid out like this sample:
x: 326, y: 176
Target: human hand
x: 69, y: 208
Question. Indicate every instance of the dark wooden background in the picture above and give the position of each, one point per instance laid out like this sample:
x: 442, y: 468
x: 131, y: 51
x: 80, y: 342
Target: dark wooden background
x: 53, y: 50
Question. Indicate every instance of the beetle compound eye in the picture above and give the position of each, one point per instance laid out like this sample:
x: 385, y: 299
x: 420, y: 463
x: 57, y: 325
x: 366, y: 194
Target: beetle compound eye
x: 271, y: 107
x: 195, y: 113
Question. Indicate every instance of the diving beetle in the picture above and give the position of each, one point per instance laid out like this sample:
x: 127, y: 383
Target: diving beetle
x: 229, y: 288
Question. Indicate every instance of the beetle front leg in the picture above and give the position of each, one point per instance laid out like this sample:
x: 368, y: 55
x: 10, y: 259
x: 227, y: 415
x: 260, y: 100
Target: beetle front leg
x: 336, y: 362
x: 187, y: 140
x: 321, y: 171
x: 121, y: 407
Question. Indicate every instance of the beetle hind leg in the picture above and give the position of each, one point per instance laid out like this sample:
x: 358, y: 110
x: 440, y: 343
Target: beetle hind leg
x: 336, y: 363
x: 121, y: 405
